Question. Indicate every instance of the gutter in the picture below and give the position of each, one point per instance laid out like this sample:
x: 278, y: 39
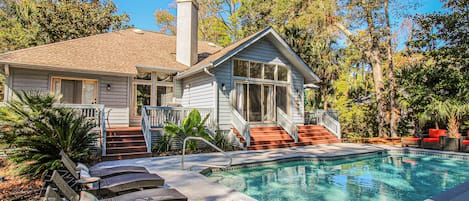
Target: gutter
x: 66, y: 69
x: 195, y: 70
x: 208, y: 73
x: 160, y: 69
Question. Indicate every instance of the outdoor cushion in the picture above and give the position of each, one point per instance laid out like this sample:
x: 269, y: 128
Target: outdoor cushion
x: 465, y: 142
x: 435, y: 133
x: 413, y: 139
x: 432, y: 139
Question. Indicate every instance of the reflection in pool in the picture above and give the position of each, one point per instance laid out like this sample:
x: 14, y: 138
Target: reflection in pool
x: 381, y: 177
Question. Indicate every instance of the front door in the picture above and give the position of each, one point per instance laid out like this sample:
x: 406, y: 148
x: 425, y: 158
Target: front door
x: 257, y: 103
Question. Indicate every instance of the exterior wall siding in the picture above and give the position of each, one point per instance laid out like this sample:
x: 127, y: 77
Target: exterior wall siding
x: 116, y: 100
x: 261, y: 51
x: 198, y: 91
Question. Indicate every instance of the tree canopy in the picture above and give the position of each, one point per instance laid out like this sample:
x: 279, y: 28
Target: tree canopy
x: 29, y: 23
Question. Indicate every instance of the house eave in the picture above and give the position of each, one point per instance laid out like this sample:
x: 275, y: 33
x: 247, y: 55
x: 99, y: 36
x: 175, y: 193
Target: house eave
x: 158, y: 68
x: 65, y: 69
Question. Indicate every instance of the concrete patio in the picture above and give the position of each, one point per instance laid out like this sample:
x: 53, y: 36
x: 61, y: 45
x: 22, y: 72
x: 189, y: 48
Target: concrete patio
x: 198, y: 187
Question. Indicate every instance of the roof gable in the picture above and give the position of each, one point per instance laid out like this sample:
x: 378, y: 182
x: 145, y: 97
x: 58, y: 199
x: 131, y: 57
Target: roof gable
x: 234, y: 49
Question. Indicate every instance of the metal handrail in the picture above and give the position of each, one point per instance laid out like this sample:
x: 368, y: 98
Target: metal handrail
x: 209, y: 143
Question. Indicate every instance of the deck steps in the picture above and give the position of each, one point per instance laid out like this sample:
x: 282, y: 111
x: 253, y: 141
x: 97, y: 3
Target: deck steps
x: 125, y: 143
x: 273, y: 137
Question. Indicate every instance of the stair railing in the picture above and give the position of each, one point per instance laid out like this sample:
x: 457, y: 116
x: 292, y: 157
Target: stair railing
x: 146, y: 128
x: 209, y: 143
x: 324, y: 119
x: 242, y: 126
x: 286, y: 123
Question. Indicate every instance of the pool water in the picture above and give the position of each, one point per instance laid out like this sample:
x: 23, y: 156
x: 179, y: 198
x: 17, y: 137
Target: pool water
x: 379, y: 177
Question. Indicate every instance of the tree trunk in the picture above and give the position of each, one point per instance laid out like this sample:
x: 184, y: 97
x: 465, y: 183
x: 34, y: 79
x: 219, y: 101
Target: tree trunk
x: 393, y: 123
x: 324, y: 95
x: 375, y: 60
x: 453, y: 128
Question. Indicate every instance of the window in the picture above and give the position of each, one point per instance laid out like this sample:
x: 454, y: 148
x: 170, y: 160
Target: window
x: 258, y: 70
x: 269, y: 72
x: 255, y: 70
x: 143, y: 76
x: 241, y: 68
x: 282, y: 72
x: 164, y: 95
x: 76, y: 90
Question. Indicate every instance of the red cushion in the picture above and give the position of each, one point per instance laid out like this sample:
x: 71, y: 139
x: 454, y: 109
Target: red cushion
x: 435, y: 133
x: 466, y: 142
x: 413, y: 139
x: 431, y: 139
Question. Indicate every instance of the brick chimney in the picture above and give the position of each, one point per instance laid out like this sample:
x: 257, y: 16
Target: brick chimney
x: 187, y: 29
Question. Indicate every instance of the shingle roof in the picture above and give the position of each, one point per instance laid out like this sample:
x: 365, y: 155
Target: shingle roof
x: 116, y: 52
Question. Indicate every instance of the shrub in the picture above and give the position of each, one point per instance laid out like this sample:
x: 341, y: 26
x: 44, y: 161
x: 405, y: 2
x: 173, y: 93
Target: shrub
x: 220, y: 140
x: 39, y: 130
x: 163, y: 144
x: 192, y: 125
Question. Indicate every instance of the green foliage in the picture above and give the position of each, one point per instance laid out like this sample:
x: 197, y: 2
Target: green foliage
x: 39, y: 131
x: 29, y: 23
x: 192, y: 125
x: 165, y: 21
x: 163, y: 144
x: 220, y: 140
x: 452, y: 111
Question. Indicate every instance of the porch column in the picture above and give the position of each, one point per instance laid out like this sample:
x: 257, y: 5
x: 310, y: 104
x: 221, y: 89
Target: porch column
x: 153, y: 89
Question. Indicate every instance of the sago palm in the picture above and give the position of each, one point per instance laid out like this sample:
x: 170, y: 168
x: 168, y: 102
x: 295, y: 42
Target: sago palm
x: 41, y: 130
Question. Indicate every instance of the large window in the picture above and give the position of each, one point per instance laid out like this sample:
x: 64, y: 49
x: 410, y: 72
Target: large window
x: 151, y: 89
x: 76, y: 90
x: 257, y: 70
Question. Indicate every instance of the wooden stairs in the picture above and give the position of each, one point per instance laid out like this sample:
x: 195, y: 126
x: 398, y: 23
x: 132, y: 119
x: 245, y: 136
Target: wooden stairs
x: 276, y: 137
x: 125, y: 143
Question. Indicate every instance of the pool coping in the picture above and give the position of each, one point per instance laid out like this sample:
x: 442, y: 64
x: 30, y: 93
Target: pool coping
x: 196, y: 186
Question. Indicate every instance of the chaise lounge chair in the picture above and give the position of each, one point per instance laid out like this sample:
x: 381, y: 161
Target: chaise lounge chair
x: 150, y: 194
x: 434, y: 139
x: 112, y: 184
x: 102, y: 172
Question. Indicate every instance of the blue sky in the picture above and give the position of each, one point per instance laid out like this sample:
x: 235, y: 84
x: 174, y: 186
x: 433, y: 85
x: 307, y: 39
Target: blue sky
x: 141, y: 11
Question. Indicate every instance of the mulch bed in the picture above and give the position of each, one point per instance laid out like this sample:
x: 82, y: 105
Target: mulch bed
x: 15, y: 187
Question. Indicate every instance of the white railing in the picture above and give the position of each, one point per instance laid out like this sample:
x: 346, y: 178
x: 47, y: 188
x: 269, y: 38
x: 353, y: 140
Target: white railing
x: 329, y: 123
x: 209, y: 143
x: 242, y: 126
x: 146, y: 128
x: 158, y: 117
x: 3, y: 104
x: 286, y: 123
x: 94, y: 112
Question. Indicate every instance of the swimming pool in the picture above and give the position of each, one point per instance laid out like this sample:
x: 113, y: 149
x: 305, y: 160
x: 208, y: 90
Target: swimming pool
x: 378, y: 177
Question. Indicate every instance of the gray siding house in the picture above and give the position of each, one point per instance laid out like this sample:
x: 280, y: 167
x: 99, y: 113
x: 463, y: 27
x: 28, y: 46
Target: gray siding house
x: 143, y: 78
